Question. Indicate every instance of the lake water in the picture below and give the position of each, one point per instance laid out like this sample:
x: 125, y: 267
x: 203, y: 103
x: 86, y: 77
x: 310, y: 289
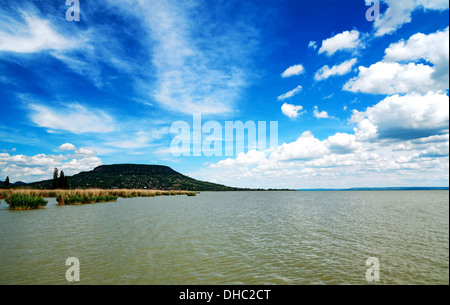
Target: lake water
x: 233, y: 238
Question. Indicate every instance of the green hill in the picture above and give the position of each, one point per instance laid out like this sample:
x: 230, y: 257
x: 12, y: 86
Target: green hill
x: 134, y: 176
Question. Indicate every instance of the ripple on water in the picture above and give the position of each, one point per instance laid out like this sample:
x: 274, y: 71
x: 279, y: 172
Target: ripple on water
x: 233, y: 238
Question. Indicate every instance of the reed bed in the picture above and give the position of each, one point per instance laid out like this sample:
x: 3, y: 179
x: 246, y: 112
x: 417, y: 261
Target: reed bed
x: 18, y: 201
x: 78, y: 197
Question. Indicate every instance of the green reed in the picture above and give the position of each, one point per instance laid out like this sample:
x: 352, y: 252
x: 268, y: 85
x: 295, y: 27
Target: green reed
x: 18, y: 201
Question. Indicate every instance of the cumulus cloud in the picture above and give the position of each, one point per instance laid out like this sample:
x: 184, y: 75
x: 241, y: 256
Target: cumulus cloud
x: 342, y: 143
x: 40, y: 167
x: 402, y: 140
x: 347, y: 40
x: 399, y: 13
x: 435, y: 151
x: 341, y: 69
x: 293, y: 70
x: 252, y: 158
x: 290, y: 93
x: 306, y: 147
x: 339, y: 161
x: 343, y: 166
x: 400, y: 71
x: 365, y: 130
x: 67, y: 146
x: 392, y: 78
x: 291, y: 111
x: 434, y: 48
x: 320, y: 114
x: 407, y: 117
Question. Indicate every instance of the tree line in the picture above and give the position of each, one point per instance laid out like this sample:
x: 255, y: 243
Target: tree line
x: 60, y: 181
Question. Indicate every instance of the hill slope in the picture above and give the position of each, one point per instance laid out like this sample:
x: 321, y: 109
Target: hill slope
x: 134, y: 176
x: 18, y: 183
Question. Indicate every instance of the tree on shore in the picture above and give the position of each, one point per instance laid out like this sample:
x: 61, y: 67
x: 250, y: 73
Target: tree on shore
x: 6, y: 182
x: 55, y: 184
x: 63, y: 181
x: 66, y: 183
x: 60, y: 181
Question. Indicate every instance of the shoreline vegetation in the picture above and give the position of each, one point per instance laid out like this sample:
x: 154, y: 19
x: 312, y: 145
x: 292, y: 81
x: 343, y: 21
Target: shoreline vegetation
x: 22, y: 201
x: 29, y: 199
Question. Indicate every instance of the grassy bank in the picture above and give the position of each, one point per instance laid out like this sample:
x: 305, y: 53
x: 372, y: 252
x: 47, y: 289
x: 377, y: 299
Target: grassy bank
x: 76, y: 198
x: 17, y: 198
x: 20, y: 201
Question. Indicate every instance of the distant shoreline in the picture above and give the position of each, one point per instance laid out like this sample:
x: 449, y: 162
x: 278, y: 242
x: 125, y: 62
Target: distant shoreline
x: 379, y: 189
x: 256, y: 190
x: 339, y: 190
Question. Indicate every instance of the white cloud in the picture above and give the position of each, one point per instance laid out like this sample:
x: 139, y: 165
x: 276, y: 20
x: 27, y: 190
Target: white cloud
x: 432, y: 139
x: 340, y: 161
x: 342, y: 69
x: 399, y: 13
x: 365, y: 130
x: 407, y: 117
x: 399, y: 72
x: 179, y: 70
x: 85, y: 152
x: 337, y: 162
x: 158, y: 133
x: 342, y: 143
x: 392, y: 78
x: 251, y: 158
x: 87, y: 66
x: 290, y: 93
x: 291, y: 111
x: 293, y: 70
x: 401, y: 141
x: 306, y: 147
x: 433, y: 48
x: 76, y: 165
x: 85, y: 51
x: 320, y: 114
x: 34, y: 35
x: 40, y: 167
x: 435, y: 151
x: 73, y: 118
x: 67, y: 146
x: 312, y: 45
x: 194, y: 73
x: 140, y: 139
x: 347, y: 40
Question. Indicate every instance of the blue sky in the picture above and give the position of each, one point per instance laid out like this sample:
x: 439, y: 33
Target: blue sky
x: 358, y: 102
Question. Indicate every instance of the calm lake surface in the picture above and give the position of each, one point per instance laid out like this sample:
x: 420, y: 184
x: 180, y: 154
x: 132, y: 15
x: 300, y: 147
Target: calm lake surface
x: 233, y: 238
